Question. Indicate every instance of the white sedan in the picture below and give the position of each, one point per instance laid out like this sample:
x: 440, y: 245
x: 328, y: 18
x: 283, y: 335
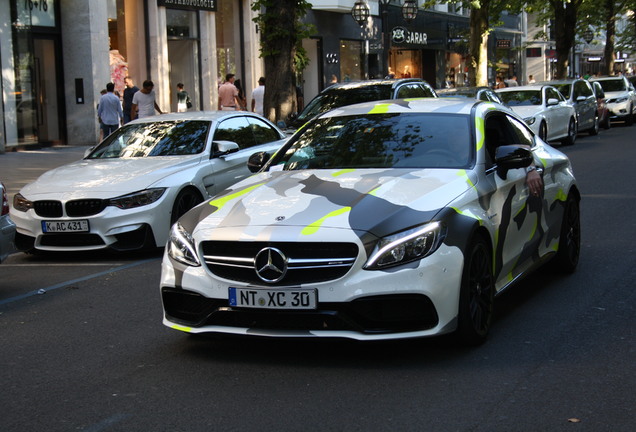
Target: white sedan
x: 126, y: 193
x: 545, y: 110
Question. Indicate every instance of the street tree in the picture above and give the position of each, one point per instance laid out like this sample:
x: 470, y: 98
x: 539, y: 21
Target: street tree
x: 282, y: 31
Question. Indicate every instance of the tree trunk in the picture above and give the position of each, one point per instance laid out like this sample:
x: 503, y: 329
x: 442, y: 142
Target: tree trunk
x: 565, y: 16
x: 478, y: 66
x: 610, y: 35
x: 279, y: 50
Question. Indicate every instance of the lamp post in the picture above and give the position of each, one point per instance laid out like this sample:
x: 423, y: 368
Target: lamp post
x: 386, y: 41
x: 360, y: 12
x: 409, y: 10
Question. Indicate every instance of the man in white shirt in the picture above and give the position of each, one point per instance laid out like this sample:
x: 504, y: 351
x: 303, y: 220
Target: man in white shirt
x: 257, y: 96
x: 109, y: 110
x: 143, y: 104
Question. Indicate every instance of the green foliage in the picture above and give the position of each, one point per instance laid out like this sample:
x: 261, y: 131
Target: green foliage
x: 273, y: 29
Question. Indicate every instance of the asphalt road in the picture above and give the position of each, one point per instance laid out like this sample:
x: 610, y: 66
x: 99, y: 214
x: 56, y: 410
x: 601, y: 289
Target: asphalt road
x: 89, y: 352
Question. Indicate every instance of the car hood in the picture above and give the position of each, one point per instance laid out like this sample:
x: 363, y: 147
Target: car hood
x: 616, y: 94
x: 527, y: 111
x: 378, y: 201
x: 100, y: 178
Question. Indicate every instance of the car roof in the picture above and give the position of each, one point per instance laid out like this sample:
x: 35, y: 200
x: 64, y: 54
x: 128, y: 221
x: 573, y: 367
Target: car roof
x: 193, y: 115
x: 607, y: 78
x: 536, y: 86
x: 419, y: 105
x: 459, y: 91
x: 372, y: 82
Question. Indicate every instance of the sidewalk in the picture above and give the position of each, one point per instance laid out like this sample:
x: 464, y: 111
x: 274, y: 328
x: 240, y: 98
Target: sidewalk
x: 22, y: 167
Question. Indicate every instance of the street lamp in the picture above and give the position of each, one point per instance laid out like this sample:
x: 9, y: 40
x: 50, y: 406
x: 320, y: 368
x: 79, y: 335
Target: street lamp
x: 409, y: 10
x: 360, y: 12
x: 588, y: 35
x: 386, y: 42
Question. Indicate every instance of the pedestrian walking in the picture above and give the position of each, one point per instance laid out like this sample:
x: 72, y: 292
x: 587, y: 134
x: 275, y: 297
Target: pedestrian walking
x: 228, y: 95
x: 241, y: 95
x: 109, y: 110
x: 183, y: 99
x: 258, y: 95
x: 129, y: 92
x: 143, y: 103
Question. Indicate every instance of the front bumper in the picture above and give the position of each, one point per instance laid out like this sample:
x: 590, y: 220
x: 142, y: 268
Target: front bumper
x: 414, y: 300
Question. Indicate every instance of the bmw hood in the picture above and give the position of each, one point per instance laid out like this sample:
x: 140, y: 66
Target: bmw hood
x: 368, y: 200
x: 106, y: 177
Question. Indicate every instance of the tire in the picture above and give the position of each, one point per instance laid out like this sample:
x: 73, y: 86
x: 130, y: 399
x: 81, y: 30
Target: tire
x: 571, y: 138
x: 543, y: 132
x: 596, y: 127
x: 629, y: 120
x: 606, y: 123
x: 477, y: 295
x: 567, y: 257
x: 187, y: 199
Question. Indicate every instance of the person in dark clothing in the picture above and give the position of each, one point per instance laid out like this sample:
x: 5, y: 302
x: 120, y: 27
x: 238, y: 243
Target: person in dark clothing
x: 129, y: 92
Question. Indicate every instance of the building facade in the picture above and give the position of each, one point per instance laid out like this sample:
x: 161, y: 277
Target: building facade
x: 57, y: 55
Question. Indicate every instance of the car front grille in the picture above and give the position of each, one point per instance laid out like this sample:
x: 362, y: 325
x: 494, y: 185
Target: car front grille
x: 75, y: 208
x: 71, y: 240
x: 306, y: 262
x: 368, y: 315
x: 51, y: 209
x: 84, y: 207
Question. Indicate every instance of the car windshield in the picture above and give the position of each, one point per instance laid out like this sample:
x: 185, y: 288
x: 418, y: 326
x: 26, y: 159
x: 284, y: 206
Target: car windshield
x: 613, y: 85
x: 521, y: 98
x: 381, y: 141
x: 162, y: 138
x: 342, y: 96
x: 564, y: 89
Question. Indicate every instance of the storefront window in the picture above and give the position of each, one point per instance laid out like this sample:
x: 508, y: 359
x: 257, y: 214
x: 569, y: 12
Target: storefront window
x: 227, y: 39
x: 406, y: 63
x: 351, y: 60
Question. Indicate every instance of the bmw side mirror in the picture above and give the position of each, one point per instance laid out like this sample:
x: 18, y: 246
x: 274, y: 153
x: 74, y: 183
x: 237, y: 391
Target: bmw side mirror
x: 553, y: 101
x: 511, y: 157
x: 222, y: 148
x: 257, y: 161
x: 581, y: 99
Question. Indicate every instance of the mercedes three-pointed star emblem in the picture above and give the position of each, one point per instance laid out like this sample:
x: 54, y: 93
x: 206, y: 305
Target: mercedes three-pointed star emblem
x: 270, y: 264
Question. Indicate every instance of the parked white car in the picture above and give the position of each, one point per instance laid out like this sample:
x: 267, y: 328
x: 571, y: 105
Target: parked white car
x: 128, y: 190
x: 545, y: 110
x: 7, y: 227
x: 620, y: 97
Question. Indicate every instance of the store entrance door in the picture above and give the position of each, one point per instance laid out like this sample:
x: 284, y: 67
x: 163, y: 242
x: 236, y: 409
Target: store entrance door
x: 46, y: 104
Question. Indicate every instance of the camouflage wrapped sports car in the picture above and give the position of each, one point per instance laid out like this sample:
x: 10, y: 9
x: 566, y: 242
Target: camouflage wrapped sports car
x: 382, y: 220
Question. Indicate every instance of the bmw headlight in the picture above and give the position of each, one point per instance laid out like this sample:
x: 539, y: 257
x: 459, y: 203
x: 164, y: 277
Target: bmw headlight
x: 406, y: 246
x: 530, y: 120
x: 181, y: 246
x: 137, y: 199
x: 21, y: 203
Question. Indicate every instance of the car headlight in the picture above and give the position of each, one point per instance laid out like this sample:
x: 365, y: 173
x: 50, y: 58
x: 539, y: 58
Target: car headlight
x: 529, y: 120
x: 181, y: 246
x: 137, y: 199
x: 21, y: 203
x: 406, y: 246
x: 622, y: 99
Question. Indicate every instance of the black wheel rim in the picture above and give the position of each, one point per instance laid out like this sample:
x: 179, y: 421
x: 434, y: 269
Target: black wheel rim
x: 185, y: 203
x: 480, y: 287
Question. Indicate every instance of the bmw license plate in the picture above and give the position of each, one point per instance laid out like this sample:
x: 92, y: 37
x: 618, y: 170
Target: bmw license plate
x: 65, y: 226
x: 273, y: 298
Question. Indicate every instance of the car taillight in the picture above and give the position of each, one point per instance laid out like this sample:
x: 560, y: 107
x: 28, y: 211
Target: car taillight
x: 5, y: 201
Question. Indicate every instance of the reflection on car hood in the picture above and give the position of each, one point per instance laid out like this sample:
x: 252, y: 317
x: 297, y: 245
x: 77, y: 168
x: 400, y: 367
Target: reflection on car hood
x: 527, y: 111
x: 360, y: 199
x: 106, y: 177
x: 616, y: 94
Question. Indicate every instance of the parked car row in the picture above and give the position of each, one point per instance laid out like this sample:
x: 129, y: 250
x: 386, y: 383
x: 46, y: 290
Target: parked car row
x: 379, y: 220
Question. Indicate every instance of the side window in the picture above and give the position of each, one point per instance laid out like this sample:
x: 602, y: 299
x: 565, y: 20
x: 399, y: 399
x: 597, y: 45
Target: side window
x: 521, y: 132
x: 586, y: 89
x: 553, y: 94
x: 263, y: 133
x: 411, y: 91
x: 235, y: 129
x: 496, y: 134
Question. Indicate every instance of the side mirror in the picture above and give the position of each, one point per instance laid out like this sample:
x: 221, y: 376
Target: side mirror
x: 222, y: 148
x: 553, y: 101
x: 581, y: 99
x: 281, y: 124
x: 257, y: 161
x: 511, y: 157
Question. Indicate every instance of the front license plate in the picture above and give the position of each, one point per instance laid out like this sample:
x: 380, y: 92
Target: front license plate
x: 273, y: 298
x: 65, y: 226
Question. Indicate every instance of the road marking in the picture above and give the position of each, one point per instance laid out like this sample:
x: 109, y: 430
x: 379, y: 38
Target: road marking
x: 67, y: 283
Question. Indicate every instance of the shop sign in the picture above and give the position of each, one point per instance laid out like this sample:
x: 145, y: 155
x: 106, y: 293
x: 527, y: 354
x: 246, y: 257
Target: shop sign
x: 402, y: 35
x: 37, y: 13
x: 503, y: 43
x: 205, y: 5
